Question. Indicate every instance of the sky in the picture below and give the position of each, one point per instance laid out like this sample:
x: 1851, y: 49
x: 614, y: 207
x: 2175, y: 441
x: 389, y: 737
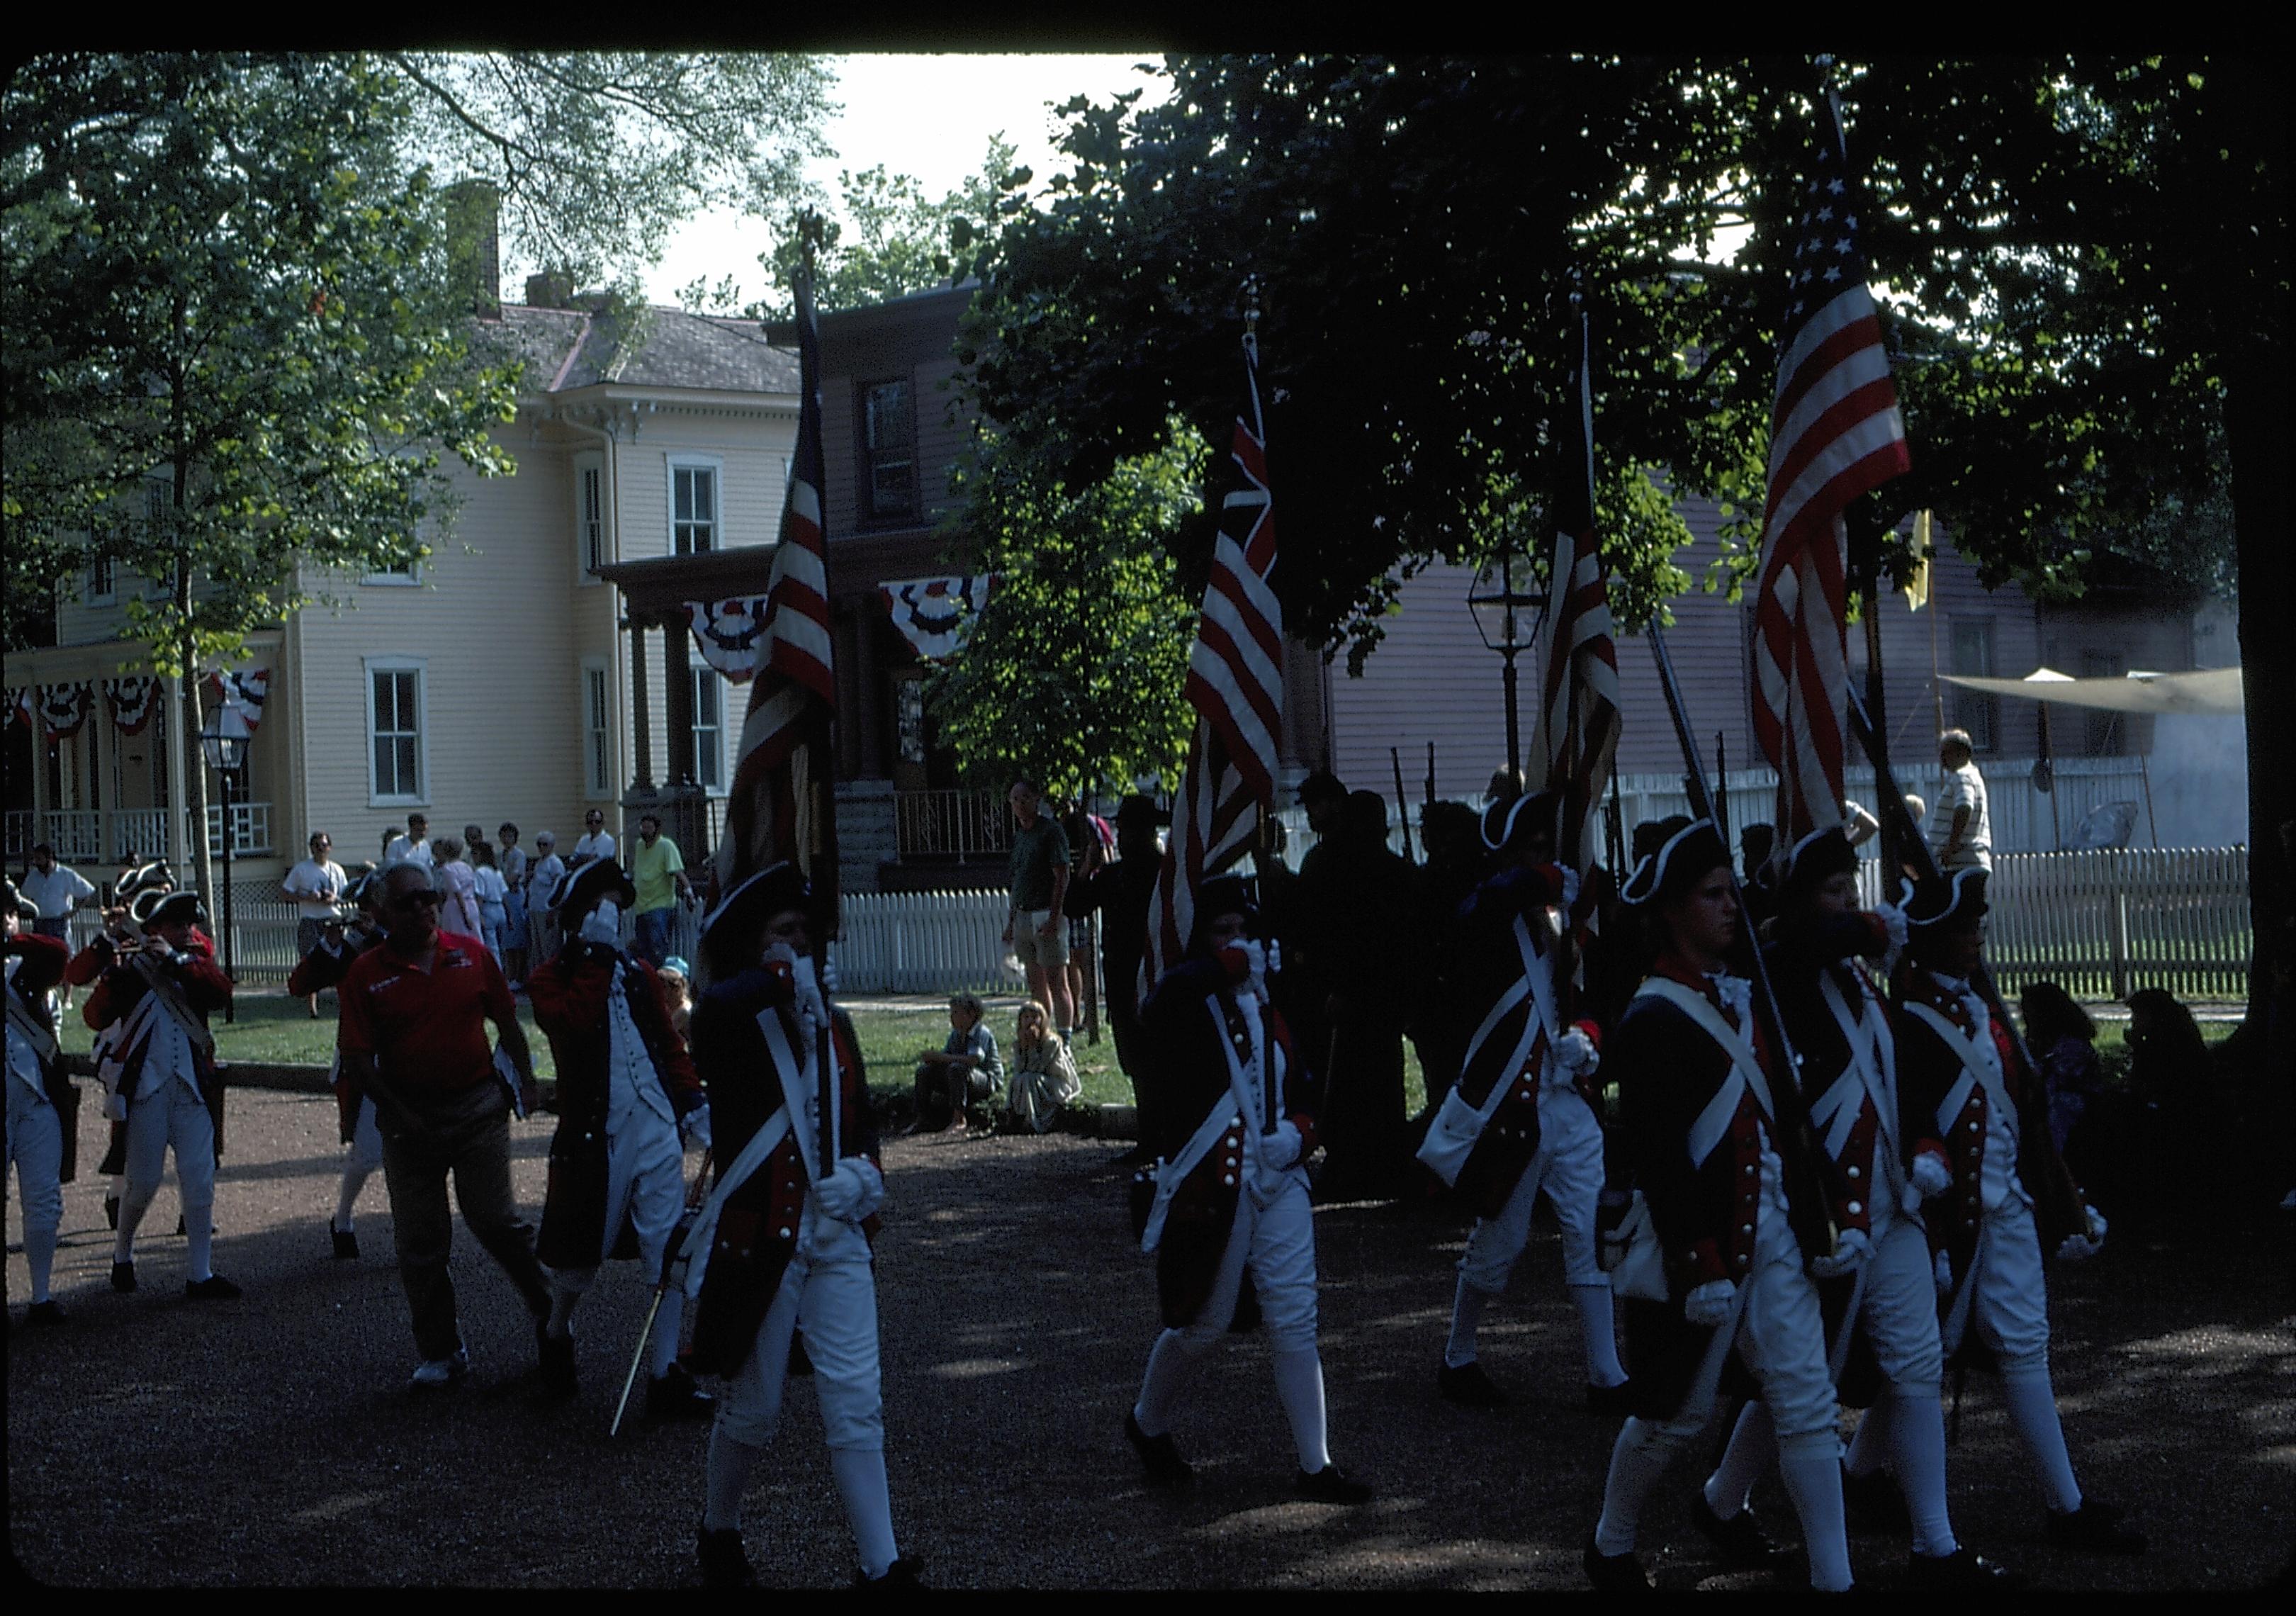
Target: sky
x: 927, y: 116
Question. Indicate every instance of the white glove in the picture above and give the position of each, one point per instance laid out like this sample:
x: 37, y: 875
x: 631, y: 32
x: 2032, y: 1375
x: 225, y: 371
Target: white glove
x: 1851, y: 1248
x: 2079, y: 1247
x: 1893, y: 922
x: 852, y: 1192
x: 1255, y: 982
x: 809, y: 1004
x: 1575, y: 1052
x: 603, y: 924
x: 1279, y: 1151
x: 1569, y: 888
x: 1941, y: 1271
x: 1930, y: 1176
x: 1710, y: 1305
x: 695, y: 1126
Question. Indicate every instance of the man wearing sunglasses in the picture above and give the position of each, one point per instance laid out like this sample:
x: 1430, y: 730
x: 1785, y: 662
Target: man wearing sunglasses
x: 414, y: 1039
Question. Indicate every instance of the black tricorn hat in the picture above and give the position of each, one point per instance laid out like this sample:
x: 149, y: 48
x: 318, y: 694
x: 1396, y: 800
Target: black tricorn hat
x: 1225, y: 895
x: 1692, y: 848
x: 1512, y: 818
x: 740, y: 915
x: 600, y: 879
x: 172, y: 908
x: 1952, y: 903
x: 1814, y: 859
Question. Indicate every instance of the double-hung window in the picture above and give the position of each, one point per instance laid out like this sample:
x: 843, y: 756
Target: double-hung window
x: 1976, y: 711
x: 597, y: 731
x: 394, y: 723
x: 694, y: 507
x: 889, y: 451
x: 589, y: 516
x: 708, y: 728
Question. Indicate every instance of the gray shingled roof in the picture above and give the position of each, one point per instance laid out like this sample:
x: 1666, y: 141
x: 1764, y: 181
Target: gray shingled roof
x: 675, y: 349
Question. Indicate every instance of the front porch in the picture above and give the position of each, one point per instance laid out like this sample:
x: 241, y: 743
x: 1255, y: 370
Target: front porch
x: 126, y: 836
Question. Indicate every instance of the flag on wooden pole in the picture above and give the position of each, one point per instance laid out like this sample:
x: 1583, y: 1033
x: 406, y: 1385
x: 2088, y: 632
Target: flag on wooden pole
x: 1235, y: 684
x: 1835, y: 433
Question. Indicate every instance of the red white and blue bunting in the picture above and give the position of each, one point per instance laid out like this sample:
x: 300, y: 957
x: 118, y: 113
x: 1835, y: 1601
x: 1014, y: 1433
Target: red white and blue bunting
x: 731, y: 634
x: 23, y: 707
x: 65, y: 707
x: 132, y: 700
x: 935, y: 614
x: 241, y: 694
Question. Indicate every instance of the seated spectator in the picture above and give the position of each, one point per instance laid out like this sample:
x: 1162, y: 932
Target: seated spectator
x: 2062, y: 1039
x: 677, y: 990
x: 965, y: 1070
x: 1043, y: 1073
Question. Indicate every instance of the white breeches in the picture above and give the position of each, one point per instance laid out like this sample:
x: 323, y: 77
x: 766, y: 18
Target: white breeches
x: 1277, y: 1243
x: 645, y: 1182
x: 831, y: 1295
x: 2010, y: 1308
x: 366, y: 1141
x: 1899, y: 1307
x: 1568, y: 1166
x: 36, y: 1152
x: 175, y: 1117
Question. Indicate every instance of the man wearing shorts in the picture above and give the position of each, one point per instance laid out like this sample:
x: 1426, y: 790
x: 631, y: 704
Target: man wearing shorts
x: 1035, y: 932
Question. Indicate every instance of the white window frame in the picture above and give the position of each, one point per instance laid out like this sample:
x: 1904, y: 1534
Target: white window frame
x: 597, y: 730
x: 715, y: 464
x: 590, y: 462
x: 101, y: 571
x: 412, y: 578
x: 710, y: 761
x: 420, y: 667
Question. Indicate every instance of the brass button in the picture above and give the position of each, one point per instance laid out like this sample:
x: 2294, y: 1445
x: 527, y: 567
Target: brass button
x: 785, y: 1234
x: 1853, y: 1172
x: 1227, y: 1179
x: 1745, y: 1228
x: 1856, y: 1208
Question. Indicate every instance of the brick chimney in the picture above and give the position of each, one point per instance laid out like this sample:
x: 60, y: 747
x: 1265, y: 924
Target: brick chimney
x: 551, y: 289
x: 474, y: 245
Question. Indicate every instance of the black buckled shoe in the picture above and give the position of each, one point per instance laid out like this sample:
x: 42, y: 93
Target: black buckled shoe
x: 346, y: 1244
x: 1331, y: 1485
x: 214, y: 1287
x: 1874, y: 1502
x: 723, y: 1565
x: 1613, y: 1573
x: 554, y: 1365
x: 1159, y: 1455
x: 675, y: 1396
x: 49, y: 1312
x: 906, y: 1572
x: 1740, y: 1539
x: 1611, y: 1402
x: 1468, y: 1386
x: 1963, y: 1570
x: 2095, y: 1528
x: 123, y: 1278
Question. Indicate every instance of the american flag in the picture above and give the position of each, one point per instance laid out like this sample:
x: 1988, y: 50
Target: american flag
x: 1835, y: 433
x: 781, y: 803
x: 1235, y: 684
x: 1578, y: 686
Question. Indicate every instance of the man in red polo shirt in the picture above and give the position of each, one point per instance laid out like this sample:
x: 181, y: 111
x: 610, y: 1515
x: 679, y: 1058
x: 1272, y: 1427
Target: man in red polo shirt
x: 414, y: 1039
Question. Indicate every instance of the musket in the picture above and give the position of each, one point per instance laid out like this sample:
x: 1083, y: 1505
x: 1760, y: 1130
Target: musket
x: 1402, y: 802
x: 693, y: 1197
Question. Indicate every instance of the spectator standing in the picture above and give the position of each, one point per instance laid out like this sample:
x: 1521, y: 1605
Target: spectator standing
x: 413, y: 1038
x: 1043, y: 1073
x: 1121, y: 892
x: 1035, y: 929
x: 965, y: 1069
x: 458, y: 889
x: 513, y: 870
x: 1961, y: 829
x: 55, y: 890
x: 414, y: 847
x: 316, y: 885
x: 542, y: 882
x: 1091, y: 839
x: 658, y: 869
x: 596, y: 840
x: 493, y: 899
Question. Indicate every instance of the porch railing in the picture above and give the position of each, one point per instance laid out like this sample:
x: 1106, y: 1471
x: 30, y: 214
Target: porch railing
x: 951, y: 823
x: 124, y: 836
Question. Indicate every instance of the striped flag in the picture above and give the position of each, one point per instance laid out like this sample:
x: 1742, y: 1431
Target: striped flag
x: 1835, y: 433
x: 1578, y: 731
x: 781, y: 805
x: 1235, y: 684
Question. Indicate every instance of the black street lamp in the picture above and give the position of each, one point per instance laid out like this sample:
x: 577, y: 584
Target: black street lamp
x: 1507, y: 604
x: 223, y: 741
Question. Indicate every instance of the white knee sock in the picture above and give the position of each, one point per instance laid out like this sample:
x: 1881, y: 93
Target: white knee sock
x: 1603, y: 1366
x: 1299, y: 1387
x: 1169, y: 1363
x: 663, y: 1350
x: 1873, y: 1446
x: 1753, y: 1444
x: 730, y: 1462
x: 860, y: 1474
x: 2033, y: 1411
x: 354, y: 1180
x: 1811, y: 1469
x: 132, y: 1208
x: 1466, y: 1316
x: 199, y: 1237
x: 1639, y: 1460
x: 1916, y: 1435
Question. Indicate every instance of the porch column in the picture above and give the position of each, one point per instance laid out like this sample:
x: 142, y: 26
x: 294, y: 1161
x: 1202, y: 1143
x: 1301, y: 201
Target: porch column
x: 678, y: 674
x: 641, y: 718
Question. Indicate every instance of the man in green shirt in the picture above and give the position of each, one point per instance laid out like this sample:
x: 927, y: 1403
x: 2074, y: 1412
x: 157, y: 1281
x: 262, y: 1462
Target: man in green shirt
x: 659, y: 873
x: 1035, y: 929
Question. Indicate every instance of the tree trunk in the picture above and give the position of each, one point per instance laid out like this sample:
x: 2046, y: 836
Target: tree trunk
x: 195, y: 774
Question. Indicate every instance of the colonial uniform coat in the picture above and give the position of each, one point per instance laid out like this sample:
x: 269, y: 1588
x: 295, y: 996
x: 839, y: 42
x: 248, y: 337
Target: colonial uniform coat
x: 43, y: 1104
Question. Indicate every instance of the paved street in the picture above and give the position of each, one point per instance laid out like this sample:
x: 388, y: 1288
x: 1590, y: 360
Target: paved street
x: 272, y: 1440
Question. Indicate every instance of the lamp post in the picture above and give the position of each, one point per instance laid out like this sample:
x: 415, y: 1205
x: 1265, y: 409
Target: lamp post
x: 223, y: 741
x: 1506, y: 603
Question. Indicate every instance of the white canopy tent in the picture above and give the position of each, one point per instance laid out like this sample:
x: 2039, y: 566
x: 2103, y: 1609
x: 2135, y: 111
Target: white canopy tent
x: 2211, y: 691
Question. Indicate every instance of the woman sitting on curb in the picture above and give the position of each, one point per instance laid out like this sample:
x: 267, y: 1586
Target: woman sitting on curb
x: 1043, y: 1073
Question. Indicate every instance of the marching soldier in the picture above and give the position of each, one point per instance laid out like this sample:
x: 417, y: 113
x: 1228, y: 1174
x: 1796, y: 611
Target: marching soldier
x: 324, y: 967
x: 1231, y: 1191
x: 2011, y: 1201
x: 1739, y: 1210
x: 43, y: 1105
x: 1837, y: 1015
x: 159, y: 996
x: 626, y: 1097
x: 1523, y: 1115
x: 783, y: 1242
x: 120, y: 931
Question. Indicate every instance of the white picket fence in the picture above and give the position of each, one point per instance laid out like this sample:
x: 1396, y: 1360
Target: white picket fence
x: 2103, y: 924
x: 924, y: 942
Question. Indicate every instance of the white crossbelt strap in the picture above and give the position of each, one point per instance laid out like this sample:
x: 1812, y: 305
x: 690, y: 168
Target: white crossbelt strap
x: 695, y: 1254
x: 1980, y: 1063
x: 1745, y: 1067
x: 1170, y: 1174
x: 1872, y: 1052
x: 1451, y: 1138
